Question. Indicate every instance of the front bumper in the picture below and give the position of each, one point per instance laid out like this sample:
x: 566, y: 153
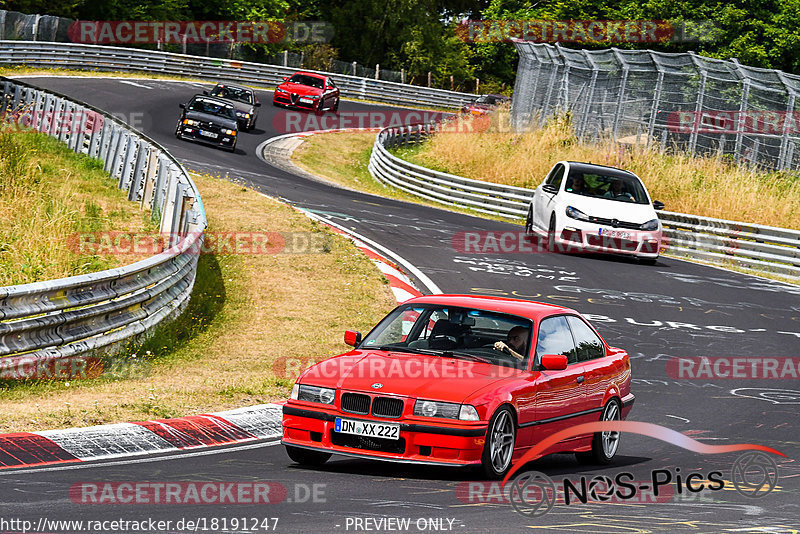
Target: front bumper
x: 440, y: 444
x: 295, y: 101
x: 591, y: 237
x: 193, y: 133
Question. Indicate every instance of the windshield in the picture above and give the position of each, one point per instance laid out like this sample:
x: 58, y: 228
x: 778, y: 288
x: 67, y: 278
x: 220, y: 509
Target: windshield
x: 460, y: 332
x: 625, y: 188
x: 233, y: 93
x: 302, y: 79
x: 211, y: 107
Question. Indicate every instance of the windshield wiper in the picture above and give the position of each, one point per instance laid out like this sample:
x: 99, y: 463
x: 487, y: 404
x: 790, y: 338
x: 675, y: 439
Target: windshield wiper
x: 431, y: 352
x: 470, y: 356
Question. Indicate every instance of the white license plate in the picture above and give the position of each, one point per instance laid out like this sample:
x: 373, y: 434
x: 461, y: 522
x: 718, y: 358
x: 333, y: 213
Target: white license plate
x: 366, y: 428
x: 212, y: 135
x: 614, y: 233
x: 306, y: 101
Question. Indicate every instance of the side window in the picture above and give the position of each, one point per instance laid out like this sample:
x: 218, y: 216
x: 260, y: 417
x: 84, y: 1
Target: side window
x: 555, y: 338
x: 588, y: 344
x: 331, y: 84
x: 556, y: 177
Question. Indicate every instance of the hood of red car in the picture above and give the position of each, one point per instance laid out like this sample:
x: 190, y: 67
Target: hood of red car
x: 423, y: 376
x: 299, y: 89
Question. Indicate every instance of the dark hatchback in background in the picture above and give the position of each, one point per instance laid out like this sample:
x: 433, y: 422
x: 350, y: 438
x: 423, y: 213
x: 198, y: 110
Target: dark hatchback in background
x: 208, y: 120
x: 244, y: 102
x: 485, y: 104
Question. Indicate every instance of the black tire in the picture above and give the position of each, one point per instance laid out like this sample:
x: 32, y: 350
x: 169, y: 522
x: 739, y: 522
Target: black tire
x: 604, y: 444
x: 495, y: 462
x: 551, y: 234
x: 529, y: 221
x: 307, y: 457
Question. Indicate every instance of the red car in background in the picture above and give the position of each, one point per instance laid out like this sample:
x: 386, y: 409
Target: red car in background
x: 436, y: 383
x: 307, y: 90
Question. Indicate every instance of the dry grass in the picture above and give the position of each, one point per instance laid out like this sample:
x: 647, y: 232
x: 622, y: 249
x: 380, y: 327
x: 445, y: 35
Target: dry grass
x: 710, y: 187
x: 248, y: 313
x: 47, y: 195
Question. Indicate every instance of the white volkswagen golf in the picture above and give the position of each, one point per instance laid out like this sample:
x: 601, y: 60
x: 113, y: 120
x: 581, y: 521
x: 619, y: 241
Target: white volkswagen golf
x: 594, y: 208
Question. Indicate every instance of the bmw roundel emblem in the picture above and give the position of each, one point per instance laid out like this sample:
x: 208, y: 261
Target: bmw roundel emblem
x: 377, y: 385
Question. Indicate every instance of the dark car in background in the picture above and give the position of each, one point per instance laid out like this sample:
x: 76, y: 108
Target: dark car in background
x: 307, y: 90
x: 244, y: 102
x: 485, y: 104
x: 208, y: 120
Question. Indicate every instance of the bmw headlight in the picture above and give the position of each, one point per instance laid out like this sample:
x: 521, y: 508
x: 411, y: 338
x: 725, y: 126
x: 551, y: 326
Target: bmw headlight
x: 308, y: 393
x: 446, y: 410
x: 228, y: 132
x: 189, y: 122
x: 239, y: 113
x: 650, y: 226
x: 575, y: 213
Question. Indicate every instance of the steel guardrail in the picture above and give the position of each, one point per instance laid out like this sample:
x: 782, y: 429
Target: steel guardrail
x: 111, y: 58
x: 749, y: 245
x: 99, y: 312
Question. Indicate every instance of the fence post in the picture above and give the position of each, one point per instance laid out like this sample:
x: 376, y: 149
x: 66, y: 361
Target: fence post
x: 429, y: 78
x: 2, y: 24
x: 36, y: 26
x: 377, y: 70
x: 590, y: 96
x: 402, y: 75
x: 355, y: 72
x: 701, y: 93
x: 285, y: 58
x: 787, y: 122
x: 621, y: 96
x: 651, y: 124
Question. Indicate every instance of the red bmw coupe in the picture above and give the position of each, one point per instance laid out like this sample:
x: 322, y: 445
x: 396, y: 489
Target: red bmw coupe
x: 307, y: 90
x: 461, y: 380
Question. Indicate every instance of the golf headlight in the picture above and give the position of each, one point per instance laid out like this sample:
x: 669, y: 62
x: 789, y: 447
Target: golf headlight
x: 650, y: 226
x: 313, y: 394
x: 189, y: 122
x: 446, y: 410
x: 228, y: 132
x: 575, y: 213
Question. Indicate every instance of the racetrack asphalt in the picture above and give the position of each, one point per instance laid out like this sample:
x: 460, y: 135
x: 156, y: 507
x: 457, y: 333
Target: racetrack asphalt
x: 673, y: 309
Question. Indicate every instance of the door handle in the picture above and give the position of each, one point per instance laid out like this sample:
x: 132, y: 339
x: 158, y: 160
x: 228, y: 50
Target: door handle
x: 580, y: 379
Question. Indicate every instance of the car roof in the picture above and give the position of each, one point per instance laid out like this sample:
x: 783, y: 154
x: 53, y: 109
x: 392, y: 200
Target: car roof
x: 214, y: 99
x: 220, y: 84
x: 525, y: 308
x: 593, y: 167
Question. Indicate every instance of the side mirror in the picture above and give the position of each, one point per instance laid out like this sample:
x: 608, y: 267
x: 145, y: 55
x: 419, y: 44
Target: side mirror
x: 658, y: 205
x: 353, y: 338
x: 258, y: 104
x: 285, y: 78
x: 554, y: 362
x: 182, y: 106
x: 205, y: 92
x: 550, y: 188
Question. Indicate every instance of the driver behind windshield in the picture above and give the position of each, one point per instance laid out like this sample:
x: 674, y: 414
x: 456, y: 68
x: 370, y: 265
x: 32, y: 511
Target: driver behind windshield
x: 515, y: 343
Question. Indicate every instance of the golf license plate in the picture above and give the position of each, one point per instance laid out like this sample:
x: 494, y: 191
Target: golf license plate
x: 367, y: 428
x: 212, y: 135
x: 614, y: 233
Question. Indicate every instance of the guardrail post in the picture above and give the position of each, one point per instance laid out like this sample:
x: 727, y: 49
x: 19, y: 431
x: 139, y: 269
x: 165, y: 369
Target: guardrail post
x: 131, y: 147
x: 150, y: 175
x: 114, y: 147
x: 138, y: 170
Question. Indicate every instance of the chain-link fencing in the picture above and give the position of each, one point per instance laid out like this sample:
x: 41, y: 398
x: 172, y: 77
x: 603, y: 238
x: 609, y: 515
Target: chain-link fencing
x: 682, y: 102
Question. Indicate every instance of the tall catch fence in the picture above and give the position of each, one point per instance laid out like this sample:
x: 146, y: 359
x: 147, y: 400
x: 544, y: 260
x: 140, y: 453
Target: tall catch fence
x: 684, y: 102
